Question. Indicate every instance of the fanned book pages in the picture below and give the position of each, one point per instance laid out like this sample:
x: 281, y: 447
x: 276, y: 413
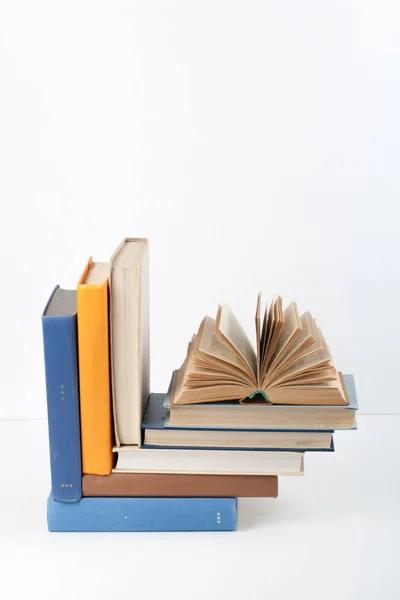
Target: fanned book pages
x: 291, y: 363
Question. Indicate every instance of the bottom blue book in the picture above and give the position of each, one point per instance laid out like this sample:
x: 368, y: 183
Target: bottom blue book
x: 143, y: 514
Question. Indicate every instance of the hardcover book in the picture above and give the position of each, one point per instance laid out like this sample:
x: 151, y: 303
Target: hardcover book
x: 180, y: 485
x: 94, y: 378
x: 291, y: 364
x: 61, y: 368
x: 236, y: 415
x: 157, y: 434
x: 130, y: 347
x: 143, y: 514
x: 132, y: 459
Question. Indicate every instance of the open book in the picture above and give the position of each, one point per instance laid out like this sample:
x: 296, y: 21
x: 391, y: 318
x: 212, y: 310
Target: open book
x: 292, y: 363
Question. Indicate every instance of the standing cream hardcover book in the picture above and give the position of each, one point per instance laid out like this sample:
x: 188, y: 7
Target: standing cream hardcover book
x: 129, y: 337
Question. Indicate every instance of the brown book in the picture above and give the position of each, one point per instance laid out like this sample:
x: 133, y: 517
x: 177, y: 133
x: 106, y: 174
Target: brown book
x: 180, y: 485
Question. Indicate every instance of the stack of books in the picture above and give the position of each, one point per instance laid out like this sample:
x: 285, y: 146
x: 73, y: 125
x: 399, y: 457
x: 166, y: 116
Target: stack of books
x: 232, y: 421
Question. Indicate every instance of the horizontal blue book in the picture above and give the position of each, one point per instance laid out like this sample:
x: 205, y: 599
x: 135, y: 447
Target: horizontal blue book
x: 157, y: 434
x: 143, y: 514
x: 62, y: 391
x: 279, y: 417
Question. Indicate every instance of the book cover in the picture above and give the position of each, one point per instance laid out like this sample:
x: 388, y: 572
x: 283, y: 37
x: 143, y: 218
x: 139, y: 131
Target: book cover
x: 234, y: 415
x: 143, y: 514
x: 132, y: 459
x: 156, y: 418
x: 94, y: 375
x: 330, y: 448
x: 180, y: 485
x: 61, y: 368
x: 348, y: 382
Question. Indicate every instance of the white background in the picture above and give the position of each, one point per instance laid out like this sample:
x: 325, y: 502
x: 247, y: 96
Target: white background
x: 256, y: 144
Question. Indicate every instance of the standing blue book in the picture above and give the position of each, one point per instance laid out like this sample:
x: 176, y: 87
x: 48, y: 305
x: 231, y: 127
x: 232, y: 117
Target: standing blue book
x: 62, y: 389
x: 143, y: 514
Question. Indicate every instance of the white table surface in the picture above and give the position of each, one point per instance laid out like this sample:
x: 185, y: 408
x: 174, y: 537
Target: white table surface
x: 332, y: 534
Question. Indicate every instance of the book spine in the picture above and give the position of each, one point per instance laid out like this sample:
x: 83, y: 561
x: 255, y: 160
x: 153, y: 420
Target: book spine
x: 143, y: 514
x: 61, y: 368
x: 183, y: 485
x: 94, y: 379
x: 238, y: 449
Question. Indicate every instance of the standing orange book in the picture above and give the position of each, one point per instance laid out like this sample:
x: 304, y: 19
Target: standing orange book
x: 94, y: 369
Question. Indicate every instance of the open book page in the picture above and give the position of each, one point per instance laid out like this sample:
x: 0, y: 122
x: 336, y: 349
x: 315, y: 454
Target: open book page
x: 307, y: 342
x: 199, y: 376
x: 189, y: 355
x: 214, y: 364
x: 268, y: 325
x: 330, y: 393
x: 290, y: 331
x: 258, y: 337
x: 317, y: 375
x: 342, y: 388
x: 213, y: 393
x: 220, y: 367
x: 178, y: 382
x: 263, y: 339
x: 310, y: 362
x: 310, y: 350
x: 229, y: 330
x: 183, y: 394
x: 191, y: 346
x: 214, y: 353
x: 275, y: 326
